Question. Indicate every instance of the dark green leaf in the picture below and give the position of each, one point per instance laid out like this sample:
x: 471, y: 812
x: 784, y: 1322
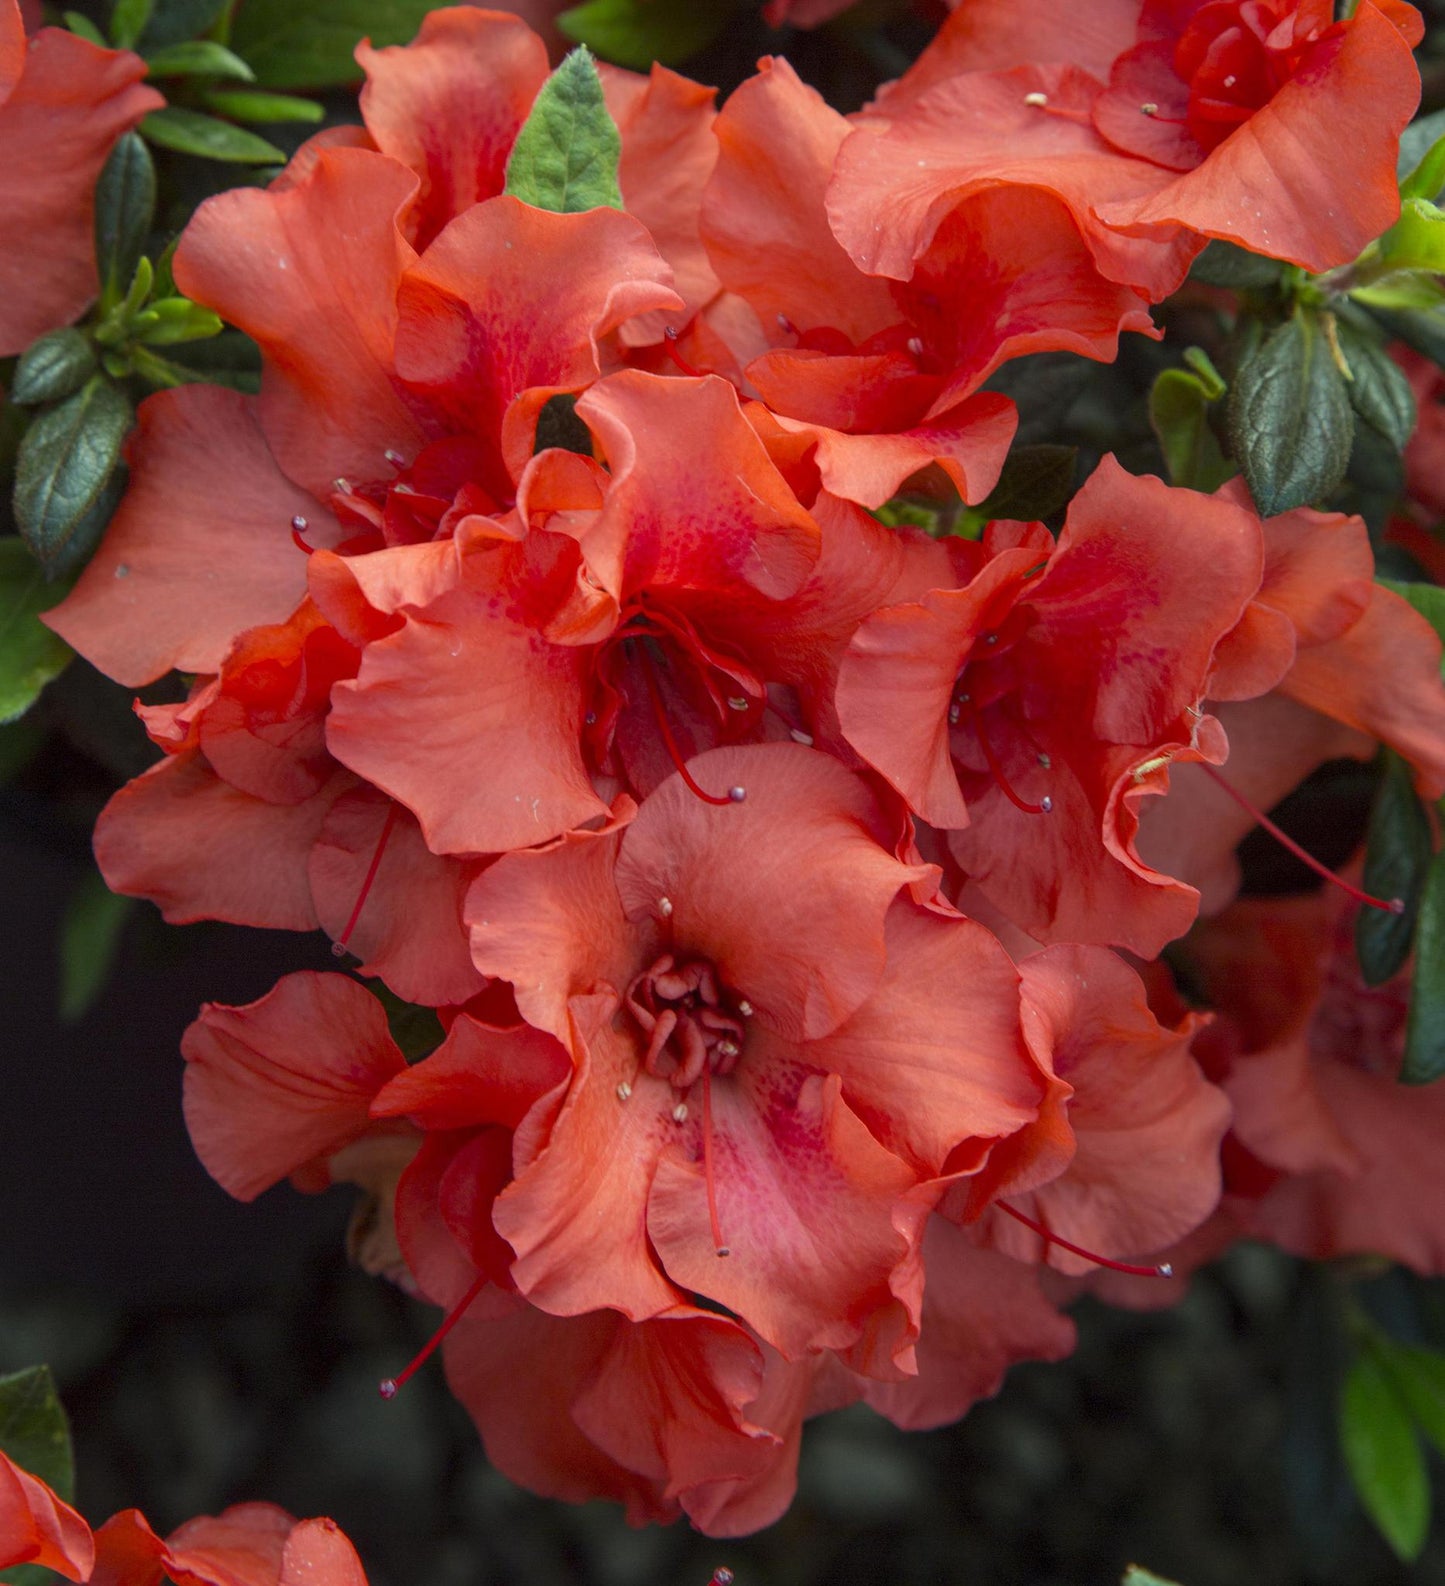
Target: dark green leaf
x: 1397, y: 859
x: 125, y: 202
x: 66, y: 459
x: 198, y: 58
x: 189, y: 132
x: 89, y: 940
x: 174, y: 20
x: 1225, y: 264
x: 127, y: 22
x: 247, y: 104
x: 312, y: 45
x: 1420, y: 328
x: 1036, y: 482
x: 416, y: 1030
x: 1378, y: 389
x: 1384, y: 1456
x: 636, y: 33
x: 34, y: 1431
x: 30, y: 654
x: 1420, y: 145
x: 51, y: 368
x: 565, y: 156
x: 84, y: 28
x: 1425, y: 1024
x: 1290, y: 423
x: 1419, y: 1378
x: 1179, y: 412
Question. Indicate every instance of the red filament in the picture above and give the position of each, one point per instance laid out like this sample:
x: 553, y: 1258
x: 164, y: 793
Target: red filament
x: 339, y: 945
x: 1389, y: 905
x: 1163, y: 1270
x: 670, y: 336
x: 996, y: 768
x: 390, y: 1386
x: 707, y: 1168
x: 674, y: 754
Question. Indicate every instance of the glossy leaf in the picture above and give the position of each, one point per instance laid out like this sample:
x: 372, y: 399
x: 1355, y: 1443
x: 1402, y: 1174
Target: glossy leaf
x: 1378, y: 389
x: 190, y: 132
x: 64, y: 464
x: 128, y: 20
x: 635, y: 33
x: 1384, y: 1456
x: 198, y: 58
x: 53, y: 367
x: 1290, y: 423
x: 250, y: 104
x: 1420, y: 144
x: 34, y: 1431
x: 125, y: 202
x: 1425, y: 1024
x: 565, y: 157
x: 1226, y: 264
x: 30, y: 654
x: 1397, y: 860
x: 312, y: 45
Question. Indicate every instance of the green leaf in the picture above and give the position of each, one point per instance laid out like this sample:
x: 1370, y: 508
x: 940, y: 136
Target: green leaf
x: 1420, y: 328
x: 636, y: 33
x: 1384, y: 1456
x: 65, y: 461
x: 246, y: 104
x: 1417, y: 239
x: 34, y: 1431
x: 1425, y: 1023
x: 1421, y: 165
x: 1225, y: 264
x: 1179, y: 412
x: 1428, y: 600
x: 1290, y: 423
x: 1397, y: 860
x: 565, y: 156
x: 125, y: 203
x: 90, y: 936
x: 30, y: 654
x: 1036, y: 482
x: 190, y: 132
x: 1378, y: 389
x: 198, y: 58
x: 1418, y: 1376
x: 127, y: 22
x: 174, y: 20
x: 1137, y: 1575
x: 51, y: 368
x: 312, y: 45
x: 84, y: 28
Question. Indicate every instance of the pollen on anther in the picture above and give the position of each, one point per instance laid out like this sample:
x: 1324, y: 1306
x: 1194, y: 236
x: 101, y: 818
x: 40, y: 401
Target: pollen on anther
x: 299, y: 524
x: 1037, y: 100
x: 799, y: 736
x: 1046, y: 804
x: 341, y: 485
x: 1165, y: 1270
x: 737, y: 702
x: 624, y: 1090
x: 394, y: 457
x: 745, y: 1008
x: 728, y: 1048
x: 679, y: 1112
x: 1149, y: 109
x: 737, y: 794
x: 664, y: 907
x: 915, y: 346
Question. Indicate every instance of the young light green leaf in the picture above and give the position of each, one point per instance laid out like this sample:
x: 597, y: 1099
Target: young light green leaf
x: 190, y: 132
x: 1428, y: 177
x: 198, y: 58
x: 64, y: 464
x: 176, y: 319
x: 84, y: 28
x: 30, y: 654
x: 1417, y: 239
x: 1419, y: 1379
x: 125, y: 203
x: 636, y: 33
x: 249, y: 104
x: 51, y: 368
x: 565, y: 157
x: 1179, y: 413
x: 1417, y: 143
x: 312, y: 45
x: 1384, y: 1456
x: 1290, y: 423
x: 1425, y: 1022
x: 90, y: 936
x: 127, y: 22
x: 1378, y: 389
x: 34, y: 1431
x: 1397, y: 860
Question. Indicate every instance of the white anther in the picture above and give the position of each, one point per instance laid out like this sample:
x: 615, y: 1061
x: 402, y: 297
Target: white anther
x: 728, y: 1048
x: 679, y: 1112
x: 341, y: 485
x: 799, y: 736
x: 1149, y: 109
x: 1046, y: 804
x: 1045, y: 761
x: 745, y: 1009
x: 954, y: 712
x: 737, y: 702
x: 394, y: 457
x: 1230, y: 81
x: 1037, y: 100
x: 915, y: 346
x: 737, y: 794
x: 299, y: 524
x: 664, y: 907
x: 990, y: 638
x: 624, y: 1090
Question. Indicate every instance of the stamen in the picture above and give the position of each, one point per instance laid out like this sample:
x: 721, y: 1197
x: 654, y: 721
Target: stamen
x: 707, y: 1170
x: 341, y: 485
x: 799, y: 736
x: 390, y: 1386
x: 664, y: 907
x: 670, y: 335
x: 624, y: 1090
x: 733, y: 795
x: 1037, y: 100
x: 1041, y: 808
x: 1389, y: 905
x: 394, y: 457
x: 339, y: 947
x: 679, y: 1112
x: 1163, y: 1270
x: 298, y: 528
x: 722, y: 1576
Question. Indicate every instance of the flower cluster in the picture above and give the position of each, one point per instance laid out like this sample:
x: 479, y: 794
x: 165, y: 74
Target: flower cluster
x: 790, y: 885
